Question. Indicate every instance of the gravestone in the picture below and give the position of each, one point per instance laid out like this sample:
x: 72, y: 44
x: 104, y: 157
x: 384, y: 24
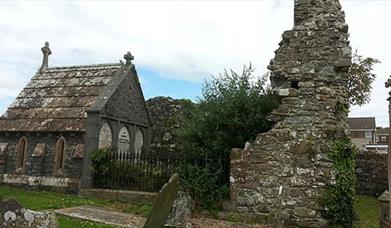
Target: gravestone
x: 181, y: 211
x: 105, y: 136
x: 163, y: 204
x: 139, y: 141
x: 123, y: 140
x: 12, y: 214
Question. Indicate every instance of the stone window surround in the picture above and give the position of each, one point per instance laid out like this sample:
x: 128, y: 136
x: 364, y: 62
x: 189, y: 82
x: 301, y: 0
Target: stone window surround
x: 59, y: 170
x: 20, y: 168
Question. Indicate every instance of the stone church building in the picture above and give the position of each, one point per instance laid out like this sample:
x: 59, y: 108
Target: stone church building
x: 63, y: 114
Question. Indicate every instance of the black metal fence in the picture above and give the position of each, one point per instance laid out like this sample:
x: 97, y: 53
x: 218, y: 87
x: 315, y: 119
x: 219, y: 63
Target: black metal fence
x: 150, y: 171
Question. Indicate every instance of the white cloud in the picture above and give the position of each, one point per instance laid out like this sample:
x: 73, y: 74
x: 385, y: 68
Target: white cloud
x: 186, y: 40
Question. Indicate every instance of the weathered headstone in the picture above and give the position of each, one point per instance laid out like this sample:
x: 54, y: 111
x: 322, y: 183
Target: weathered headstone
x: 12, y: 214
x: 123, y: 140
x: 105, y: 136
x: 163, y: 204
x: 181, y: 211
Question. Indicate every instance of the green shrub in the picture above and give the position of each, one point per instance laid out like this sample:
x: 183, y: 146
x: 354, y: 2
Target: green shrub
x: 203, y: 185
x: 232, y: 110
x: 339, y: 197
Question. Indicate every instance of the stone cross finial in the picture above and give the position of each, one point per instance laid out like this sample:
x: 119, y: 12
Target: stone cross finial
x: 128, y: 57
x: 46, y: 52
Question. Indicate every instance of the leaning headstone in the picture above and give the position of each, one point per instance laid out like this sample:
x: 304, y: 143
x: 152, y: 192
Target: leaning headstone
x: 12, y: 214
x: 181, y: 211
x: 163, y: 204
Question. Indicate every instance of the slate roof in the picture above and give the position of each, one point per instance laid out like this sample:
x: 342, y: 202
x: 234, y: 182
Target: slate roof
x: 382, y: 131
x: 57, y: 99
x: 362, y: 123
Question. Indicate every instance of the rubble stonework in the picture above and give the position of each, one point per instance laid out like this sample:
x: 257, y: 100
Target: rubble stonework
x: 165, y: 115
x: 371, y: 173
x: 12, y: 214
x: 310, y: 73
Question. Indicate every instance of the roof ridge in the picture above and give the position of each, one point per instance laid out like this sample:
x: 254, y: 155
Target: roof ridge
x: 81, y: 67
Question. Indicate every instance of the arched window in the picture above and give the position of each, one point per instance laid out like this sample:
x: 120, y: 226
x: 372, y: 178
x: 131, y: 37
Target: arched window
x: 22, y: 153
x: 59, y: 156
x: 105, y: 136
x: 138, y: 141
x: 123, y: 140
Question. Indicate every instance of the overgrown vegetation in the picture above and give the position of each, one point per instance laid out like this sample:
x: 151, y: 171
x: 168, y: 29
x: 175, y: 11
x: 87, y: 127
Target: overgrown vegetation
x: 203, y: 185
x: 338, y: 199
x: 232, y: 110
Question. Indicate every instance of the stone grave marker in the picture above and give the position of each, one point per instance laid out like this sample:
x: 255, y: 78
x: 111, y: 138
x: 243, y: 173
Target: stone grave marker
x: 163, y: 204
x: 12, y: 214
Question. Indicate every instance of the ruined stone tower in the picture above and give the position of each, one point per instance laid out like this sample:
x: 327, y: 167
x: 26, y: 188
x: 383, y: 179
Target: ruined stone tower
x: 309, y: 72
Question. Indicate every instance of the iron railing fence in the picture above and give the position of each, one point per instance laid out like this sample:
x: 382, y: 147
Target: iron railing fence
x: 150, y: 171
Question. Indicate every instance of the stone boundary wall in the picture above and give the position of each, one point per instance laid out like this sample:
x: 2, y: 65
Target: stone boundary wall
x: 61, y: 184
x: 371, y: 172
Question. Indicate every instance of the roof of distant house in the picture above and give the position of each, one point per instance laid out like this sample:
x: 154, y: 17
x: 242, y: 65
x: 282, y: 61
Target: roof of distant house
x: 382, y: 131
x: 362, y: 123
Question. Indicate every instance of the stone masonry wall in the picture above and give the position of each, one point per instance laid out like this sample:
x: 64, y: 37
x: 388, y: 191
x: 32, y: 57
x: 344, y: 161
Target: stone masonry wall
x: 43, y: 164
x: 39, y: 166
x: 127, y: 102
x: 371, y: 173
x: 309, y: 72
x: 164, y: 112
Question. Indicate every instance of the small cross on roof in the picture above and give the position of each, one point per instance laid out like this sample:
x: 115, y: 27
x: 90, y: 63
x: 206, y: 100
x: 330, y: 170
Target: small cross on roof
x: 128, y: 57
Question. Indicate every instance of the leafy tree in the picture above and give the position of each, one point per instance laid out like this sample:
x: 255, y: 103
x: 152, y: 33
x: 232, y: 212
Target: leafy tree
x: 231, y: 111
x: 360, y: 79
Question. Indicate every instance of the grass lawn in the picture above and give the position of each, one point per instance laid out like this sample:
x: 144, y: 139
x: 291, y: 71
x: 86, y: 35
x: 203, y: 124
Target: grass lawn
x: 367, y: 209
x: 42, y: 200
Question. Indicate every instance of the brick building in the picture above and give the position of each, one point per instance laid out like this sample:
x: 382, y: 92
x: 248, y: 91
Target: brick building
x: 382, y: 135
x: 363, y: 131
x: 65, y: 113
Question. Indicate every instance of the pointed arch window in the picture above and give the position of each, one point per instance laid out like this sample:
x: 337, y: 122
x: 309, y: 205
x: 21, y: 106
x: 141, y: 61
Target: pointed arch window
x: 59, y: 156
x: 22, y: 153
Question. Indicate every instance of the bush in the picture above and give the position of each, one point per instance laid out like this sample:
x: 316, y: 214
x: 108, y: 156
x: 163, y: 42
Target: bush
x: 202, y: 184
x: 232, y: 111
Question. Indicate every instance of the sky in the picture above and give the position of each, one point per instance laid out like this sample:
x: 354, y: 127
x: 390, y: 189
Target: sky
x: 176, y: 44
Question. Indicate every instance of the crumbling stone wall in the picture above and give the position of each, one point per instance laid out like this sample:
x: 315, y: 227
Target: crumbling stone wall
x: 165, y: 114
x: 371, y: 173
x: 309, y: 72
